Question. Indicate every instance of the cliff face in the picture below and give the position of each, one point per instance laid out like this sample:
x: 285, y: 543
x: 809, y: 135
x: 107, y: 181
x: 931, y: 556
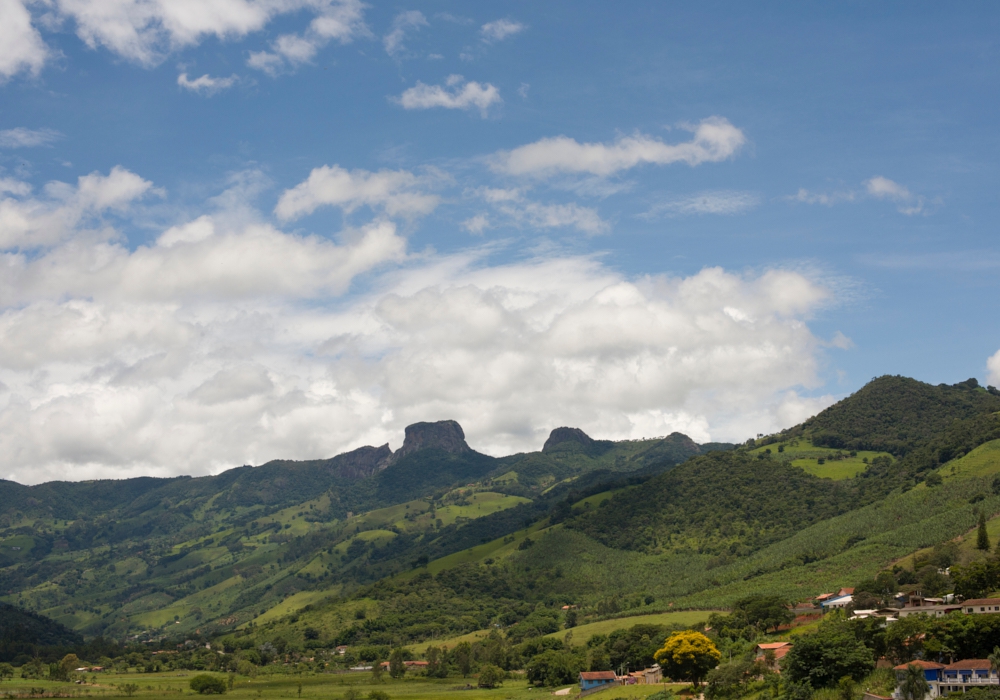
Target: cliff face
x: 561, y: 435
x: 446, y: 435
x: 362, y: 462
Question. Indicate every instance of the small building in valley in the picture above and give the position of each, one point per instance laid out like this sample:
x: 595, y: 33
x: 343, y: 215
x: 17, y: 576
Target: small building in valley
x: 591, y: 680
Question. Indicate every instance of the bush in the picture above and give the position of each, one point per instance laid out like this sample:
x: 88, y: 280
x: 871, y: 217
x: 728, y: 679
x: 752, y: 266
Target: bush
x: 206, y: 684
x: 491, y: 676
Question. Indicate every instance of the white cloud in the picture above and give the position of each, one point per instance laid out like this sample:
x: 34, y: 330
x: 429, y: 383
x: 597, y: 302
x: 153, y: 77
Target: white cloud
x: 342, y: 21
x: 715, y: 139
x: 206, y: 84
x: 397, y: 192
x: 519, y: 211
x: 27, y: 138
x: 21, y: 46
x: 713, y: 202
x: 824, y: 198
x: 33, y: 222
x: 500, y: 29
x: 477, y: 224
x: 993, y: 369
x: 471, y: 94
x: 884, y: 188
x: 404, y: 22
x: 227, y: 341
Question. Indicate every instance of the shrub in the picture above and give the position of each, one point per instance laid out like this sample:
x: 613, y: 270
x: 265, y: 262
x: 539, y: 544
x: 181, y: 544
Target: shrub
x: 206, y: 684
x: 491, y: 676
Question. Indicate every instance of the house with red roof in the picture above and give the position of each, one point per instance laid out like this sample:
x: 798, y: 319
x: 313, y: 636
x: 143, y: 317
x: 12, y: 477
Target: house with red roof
x: 594, y: 680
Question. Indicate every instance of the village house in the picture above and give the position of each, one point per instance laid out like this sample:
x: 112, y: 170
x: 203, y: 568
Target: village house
x: 950, y: 678
x: 594, y: 680
x: 981, y: 606
x: 778, y: 651
x: 647, y: 676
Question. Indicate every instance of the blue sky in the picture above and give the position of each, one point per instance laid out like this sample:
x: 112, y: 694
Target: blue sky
x: 235, y: 231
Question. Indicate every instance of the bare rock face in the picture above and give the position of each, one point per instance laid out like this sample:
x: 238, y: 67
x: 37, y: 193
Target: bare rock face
x: 561, y: 435
x: 362, y: 462
x: 444, y: 435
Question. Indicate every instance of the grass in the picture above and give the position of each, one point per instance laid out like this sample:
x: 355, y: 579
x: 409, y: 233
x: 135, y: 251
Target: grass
x: 837, y: 464
x: 582, y: 633
x: 308, y: 686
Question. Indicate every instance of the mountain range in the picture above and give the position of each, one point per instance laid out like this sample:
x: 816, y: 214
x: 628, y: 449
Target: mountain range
x: 437, y: 540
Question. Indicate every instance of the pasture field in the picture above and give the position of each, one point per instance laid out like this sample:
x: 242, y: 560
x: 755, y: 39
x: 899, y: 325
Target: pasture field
x: 837, y: 464
x: 582, y: 633
x: 304, y: 686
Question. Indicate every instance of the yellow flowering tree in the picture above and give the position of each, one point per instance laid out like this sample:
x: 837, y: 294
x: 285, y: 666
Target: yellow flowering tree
x: 687, y: 656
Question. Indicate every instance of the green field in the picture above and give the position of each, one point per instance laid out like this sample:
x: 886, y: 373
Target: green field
x: 837, y: 464
x: 682, y: 617
x: 308, y: 686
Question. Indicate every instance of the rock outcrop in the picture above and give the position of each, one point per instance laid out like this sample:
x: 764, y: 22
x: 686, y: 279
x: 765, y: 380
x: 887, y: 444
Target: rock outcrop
x: 561, y: 435
x: 362, y: 462
x: 446, y: 435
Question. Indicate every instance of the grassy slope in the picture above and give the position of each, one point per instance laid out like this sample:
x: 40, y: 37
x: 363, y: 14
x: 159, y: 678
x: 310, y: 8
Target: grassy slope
x: 802, y: 453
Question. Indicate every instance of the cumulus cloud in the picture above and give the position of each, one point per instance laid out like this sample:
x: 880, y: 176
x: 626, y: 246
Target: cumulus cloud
x: 206, y: 84
x: 883, y: 188
x: 337, y: 21
x: 32, y: 222
x: 459, y: 96
x: 27, y: 138
x: 403, y: 23
x: 500, y: 30
x: 225, y: 340
x: 714, y: 202
x: 146, y: 31
x: 993, y: 369
x: 21, y: 46
x: 396, y: 192
x: 714, y: 139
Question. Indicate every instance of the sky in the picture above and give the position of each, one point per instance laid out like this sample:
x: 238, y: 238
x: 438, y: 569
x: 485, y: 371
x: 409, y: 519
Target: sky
x: 240, y: 230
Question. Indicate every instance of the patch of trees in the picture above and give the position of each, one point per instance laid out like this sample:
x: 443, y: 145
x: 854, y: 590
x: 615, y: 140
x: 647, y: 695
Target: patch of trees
x: 722, y: 501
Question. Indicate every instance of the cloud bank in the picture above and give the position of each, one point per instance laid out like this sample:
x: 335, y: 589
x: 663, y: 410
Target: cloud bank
x: 226, y: 340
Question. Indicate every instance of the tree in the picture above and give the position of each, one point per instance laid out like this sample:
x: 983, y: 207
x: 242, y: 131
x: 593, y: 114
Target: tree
x: 377, y: 670
x: 914, y: 685
x: 6, y: 671
x: 994, y: 660
x: 435, y: 669
x: 491, y: 676
x: 976, y: 579
x: 763, y: 612
x: 570, y: 619
x: 397, y: 669
x: 129, y: 689
x: 687, y: 656
x: 823, y: 658
x: 207, y: 684
x: 462, y: 653
x: 982, y: 536
x: 553, y: 667
x: 68, y: 665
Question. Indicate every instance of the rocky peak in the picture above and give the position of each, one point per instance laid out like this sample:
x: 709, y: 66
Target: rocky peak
x: 446, y: 435
x: 561, y: 435
x: 361, y: 462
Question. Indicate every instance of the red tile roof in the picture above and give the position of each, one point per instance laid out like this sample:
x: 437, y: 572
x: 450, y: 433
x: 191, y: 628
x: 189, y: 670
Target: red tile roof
x: 969, y: 665
x: 846, y: 591
x: 598, y: 675
x: 773, y: 645
x: 982, y: 601
x: 921, y: 663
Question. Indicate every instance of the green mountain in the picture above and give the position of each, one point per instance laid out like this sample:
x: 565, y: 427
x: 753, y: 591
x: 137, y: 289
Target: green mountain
x: 435, y: 540
x: 153, y: 557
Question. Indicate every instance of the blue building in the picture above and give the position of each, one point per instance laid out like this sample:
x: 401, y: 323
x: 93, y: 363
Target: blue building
x: 591, y: 680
